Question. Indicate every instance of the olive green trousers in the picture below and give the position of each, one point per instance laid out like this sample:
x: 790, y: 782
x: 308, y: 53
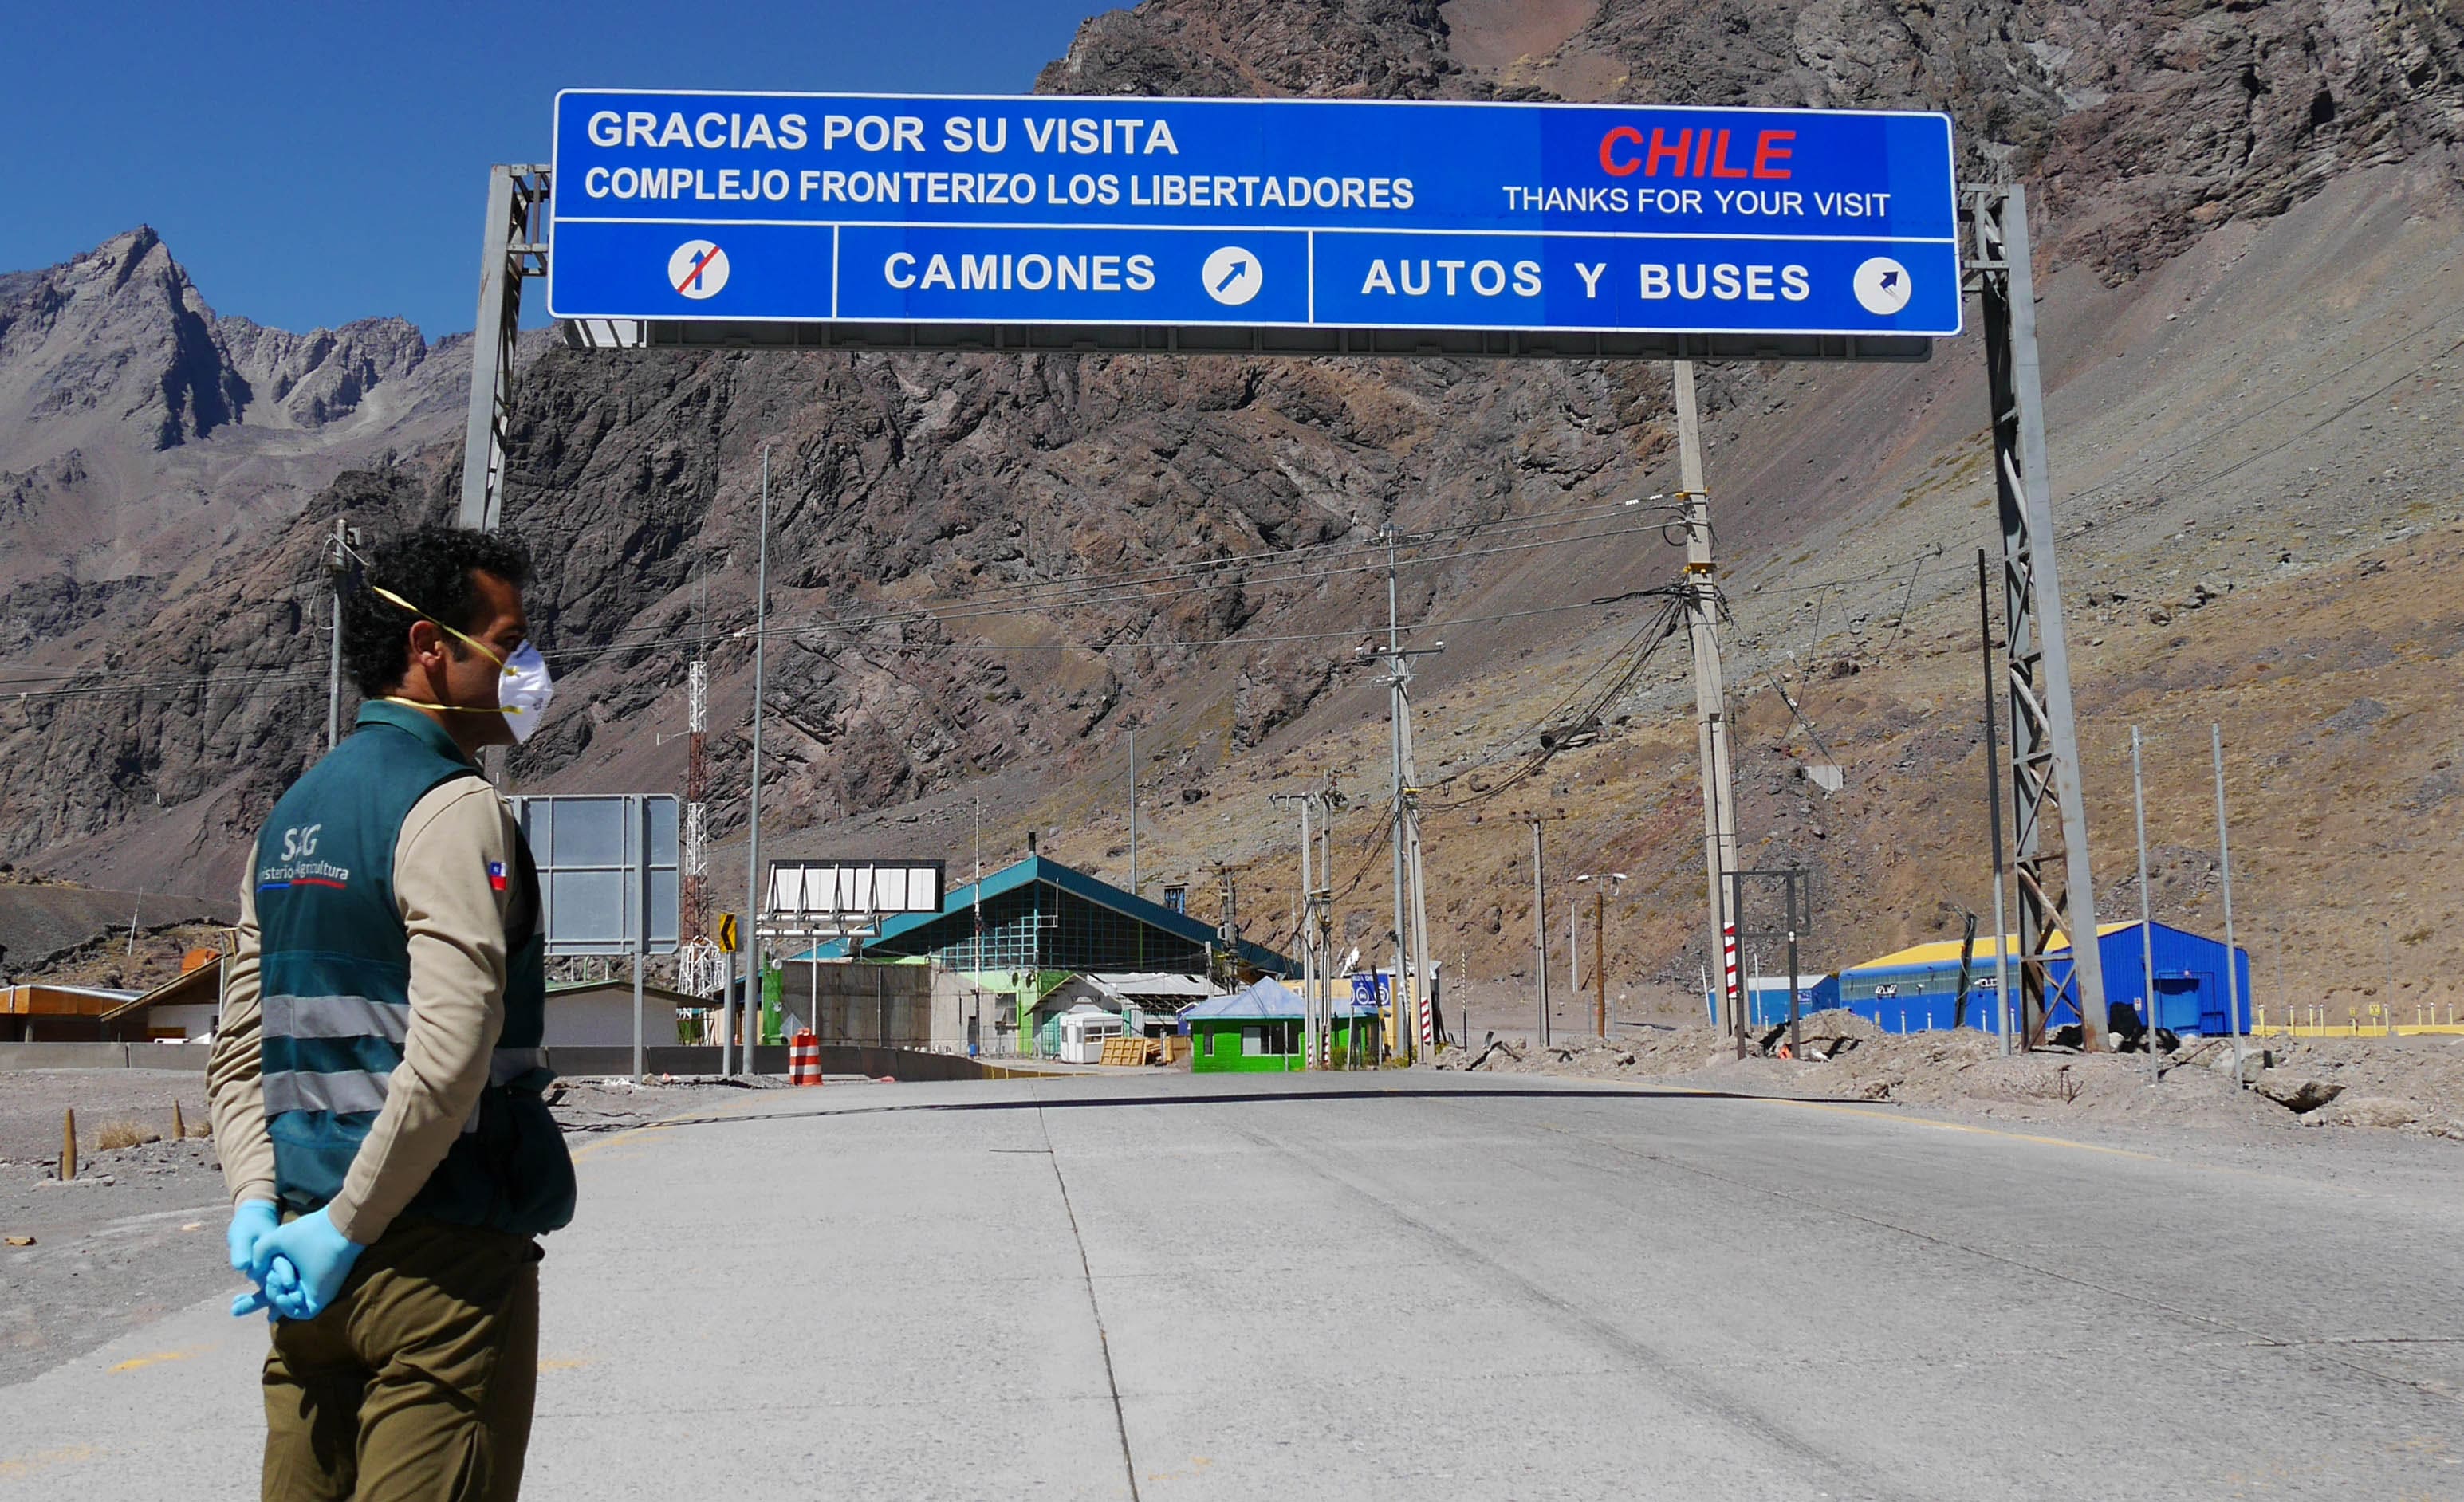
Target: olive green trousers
x: 417, y: 1382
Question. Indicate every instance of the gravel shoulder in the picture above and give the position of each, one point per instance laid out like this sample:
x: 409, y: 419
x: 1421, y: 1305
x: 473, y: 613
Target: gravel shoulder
x: 2297, y: 1088
x: 140, y: 1233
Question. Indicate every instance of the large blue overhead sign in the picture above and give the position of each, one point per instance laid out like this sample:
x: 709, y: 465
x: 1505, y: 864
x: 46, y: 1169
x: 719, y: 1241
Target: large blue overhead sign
x: 1261, y: 214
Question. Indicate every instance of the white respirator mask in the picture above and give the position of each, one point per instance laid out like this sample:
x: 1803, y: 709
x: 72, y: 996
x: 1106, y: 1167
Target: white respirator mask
x: 526, y: 691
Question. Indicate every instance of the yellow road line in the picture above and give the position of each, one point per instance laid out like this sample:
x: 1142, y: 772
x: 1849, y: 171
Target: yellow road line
x: 23, y: 1465
x: 157, y: 1359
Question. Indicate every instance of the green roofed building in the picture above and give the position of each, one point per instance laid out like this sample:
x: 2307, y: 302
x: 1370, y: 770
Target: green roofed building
x: 1259, y: 1031
x: 1042, y: 922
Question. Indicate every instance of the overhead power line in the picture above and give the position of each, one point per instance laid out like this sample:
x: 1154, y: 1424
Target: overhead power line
x: 21, y: 687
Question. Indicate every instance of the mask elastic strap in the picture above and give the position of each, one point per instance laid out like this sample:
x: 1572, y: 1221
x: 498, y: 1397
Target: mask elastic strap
x: 383, y: 593
x: 445, y: 708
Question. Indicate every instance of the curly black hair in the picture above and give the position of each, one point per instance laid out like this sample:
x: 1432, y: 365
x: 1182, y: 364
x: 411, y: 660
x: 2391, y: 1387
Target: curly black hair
x: 432, y: 567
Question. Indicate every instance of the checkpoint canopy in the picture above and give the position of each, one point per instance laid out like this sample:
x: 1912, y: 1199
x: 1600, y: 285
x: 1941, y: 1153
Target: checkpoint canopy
x: 1308, y: 225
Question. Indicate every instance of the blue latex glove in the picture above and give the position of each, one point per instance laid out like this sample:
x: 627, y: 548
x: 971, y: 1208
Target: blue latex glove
x: 252, y: 1221
x: 307, y: 1261
x: 278, y: 1276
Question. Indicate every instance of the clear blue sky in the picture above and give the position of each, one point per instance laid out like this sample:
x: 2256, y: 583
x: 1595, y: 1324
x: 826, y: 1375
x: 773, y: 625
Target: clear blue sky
x: 311, y: 163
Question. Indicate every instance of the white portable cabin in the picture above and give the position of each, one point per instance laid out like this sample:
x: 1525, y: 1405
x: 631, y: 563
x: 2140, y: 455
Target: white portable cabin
x: 1082, y: 1034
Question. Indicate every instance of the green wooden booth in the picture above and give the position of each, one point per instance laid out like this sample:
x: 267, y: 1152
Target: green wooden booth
x: 1259, y: 1030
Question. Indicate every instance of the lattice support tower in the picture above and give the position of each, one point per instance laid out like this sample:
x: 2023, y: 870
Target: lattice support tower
x: 2057, y: 889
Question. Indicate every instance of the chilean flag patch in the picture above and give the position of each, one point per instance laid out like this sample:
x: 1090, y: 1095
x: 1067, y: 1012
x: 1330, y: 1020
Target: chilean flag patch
x: 496, y: 875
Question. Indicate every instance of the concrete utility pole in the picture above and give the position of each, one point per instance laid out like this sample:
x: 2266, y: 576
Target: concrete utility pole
x: 338, y: 569
x: 1330, y: 801
x: 1310, y: 1027
x: 1539, y: 927
x: 2146, y: 929
x: 753, y: 799
x: 1411, y: 1015
x: 1424, y: 969
x: 1228, y: 926
x: 1307, y: 925
x: 1600, y: 960
x: 2234, y: 997
x: 1993, y: 805
x: 1133, y: 811
x: 1396, y: 669
x: 1710, y: 699
x: 1574, y: 953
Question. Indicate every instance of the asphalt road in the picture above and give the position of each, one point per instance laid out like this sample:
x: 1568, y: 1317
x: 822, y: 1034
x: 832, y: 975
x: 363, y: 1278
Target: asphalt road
x: 1415, y: 1287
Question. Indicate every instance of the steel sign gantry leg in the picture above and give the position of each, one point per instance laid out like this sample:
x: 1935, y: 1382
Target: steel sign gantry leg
x: 2048, y: 806
x: 512, y: 246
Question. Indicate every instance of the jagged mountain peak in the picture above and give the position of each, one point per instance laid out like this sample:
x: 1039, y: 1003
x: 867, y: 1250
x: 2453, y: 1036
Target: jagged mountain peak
x: 120, y: 337
x: 146, y: 440
x: 115, y: 339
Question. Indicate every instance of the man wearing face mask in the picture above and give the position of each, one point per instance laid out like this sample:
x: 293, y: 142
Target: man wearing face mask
x: 376, y: 1080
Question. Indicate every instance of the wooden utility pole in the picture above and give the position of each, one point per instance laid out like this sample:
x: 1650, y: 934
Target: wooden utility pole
x: 1710, y: 699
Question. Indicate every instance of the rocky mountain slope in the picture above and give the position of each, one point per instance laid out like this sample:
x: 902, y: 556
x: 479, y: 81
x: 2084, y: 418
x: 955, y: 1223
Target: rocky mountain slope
x: 149, y: 448
x: 2249, y: 222
x: 137, y: 426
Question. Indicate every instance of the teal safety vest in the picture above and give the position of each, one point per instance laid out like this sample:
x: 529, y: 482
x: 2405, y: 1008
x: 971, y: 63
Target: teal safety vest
x: 334, y: 977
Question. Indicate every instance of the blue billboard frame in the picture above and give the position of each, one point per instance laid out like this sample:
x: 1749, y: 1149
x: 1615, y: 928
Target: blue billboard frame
x: 1564, y: 228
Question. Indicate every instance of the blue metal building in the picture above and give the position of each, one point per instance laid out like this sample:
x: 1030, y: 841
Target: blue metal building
x: 1916, y: 989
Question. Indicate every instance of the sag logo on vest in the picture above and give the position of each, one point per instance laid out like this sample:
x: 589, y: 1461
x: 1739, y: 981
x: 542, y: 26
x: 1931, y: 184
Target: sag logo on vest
x: 300, y: 840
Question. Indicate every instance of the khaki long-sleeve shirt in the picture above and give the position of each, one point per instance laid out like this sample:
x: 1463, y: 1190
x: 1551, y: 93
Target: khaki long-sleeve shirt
x: 458, y: 964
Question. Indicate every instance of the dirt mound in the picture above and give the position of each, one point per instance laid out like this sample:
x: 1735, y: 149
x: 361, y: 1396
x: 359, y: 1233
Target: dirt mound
x: 2401, y: 1083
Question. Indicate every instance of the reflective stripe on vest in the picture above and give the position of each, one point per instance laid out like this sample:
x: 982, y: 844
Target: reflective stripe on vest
x: 336, y: 1017
x: 346, y: 1090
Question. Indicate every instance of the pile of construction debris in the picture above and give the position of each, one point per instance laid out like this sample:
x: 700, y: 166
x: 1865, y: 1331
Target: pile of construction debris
x: 2413, y: 1085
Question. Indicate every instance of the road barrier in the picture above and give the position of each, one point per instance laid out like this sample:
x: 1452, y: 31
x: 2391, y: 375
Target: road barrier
x: 569, y: 1061
x: 805, y: 1059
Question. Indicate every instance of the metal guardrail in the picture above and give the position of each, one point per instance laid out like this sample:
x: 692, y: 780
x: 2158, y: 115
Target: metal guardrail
x: 2444, y: 1019
x: 104, y: 1056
